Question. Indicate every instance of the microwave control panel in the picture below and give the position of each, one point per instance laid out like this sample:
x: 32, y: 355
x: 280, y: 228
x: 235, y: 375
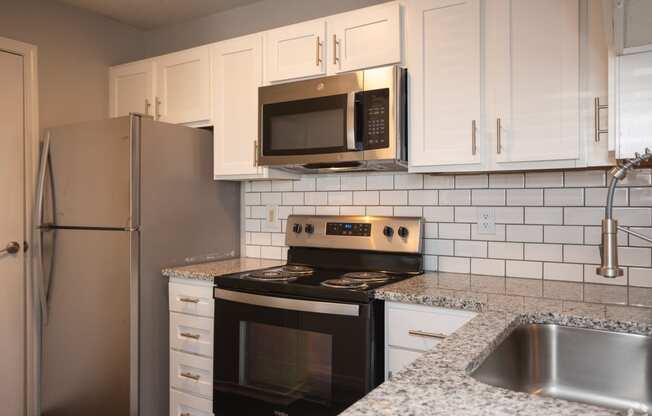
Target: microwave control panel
x: 376, y: 107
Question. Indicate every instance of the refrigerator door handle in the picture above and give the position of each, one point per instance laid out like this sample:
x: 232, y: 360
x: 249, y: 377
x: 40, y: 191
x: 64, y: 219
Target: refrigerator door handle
x: 39, y: 274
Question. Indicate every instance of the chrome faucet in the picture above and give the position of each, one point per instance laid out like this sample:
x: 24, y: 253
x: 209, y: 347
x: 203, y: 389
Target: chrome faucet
x: 609, y: 248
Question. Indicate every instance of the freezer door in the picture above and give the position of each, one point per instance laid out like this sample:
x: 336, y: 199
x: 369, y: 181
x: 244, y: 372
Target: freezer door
x: 94, y: 172
x: 89, y: 356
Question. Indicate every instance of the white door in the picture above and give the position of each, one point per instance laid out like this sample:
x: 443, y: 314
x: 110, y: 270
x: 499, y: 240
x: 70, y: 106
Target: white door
x: 237, y: 74
x: 445, y: 82
x: 12, y: 272
x: 532, y: 52
x: 183, y: 87
x: 365, y: 38
x: 131, y: 89
x: 295, y: 51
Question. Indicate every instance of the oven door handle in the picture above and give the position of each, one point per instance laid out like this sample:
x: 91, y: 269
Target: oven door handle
x: 327, y: 308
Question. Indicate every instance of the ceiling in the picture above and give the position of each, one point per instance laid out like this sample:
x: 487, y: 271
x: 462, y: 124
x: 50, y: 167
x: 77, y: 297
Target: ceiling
x: 151, y: 14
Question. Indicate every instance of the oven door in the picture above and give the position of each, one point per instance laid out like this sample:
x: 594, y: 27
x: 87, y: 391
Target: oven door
x: 281, y: 356
x: 312, y: 121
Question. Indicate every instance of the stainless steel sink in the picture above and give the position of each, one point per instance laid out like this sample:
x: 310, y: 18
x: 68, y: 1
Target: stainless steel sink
x: 597, y: 367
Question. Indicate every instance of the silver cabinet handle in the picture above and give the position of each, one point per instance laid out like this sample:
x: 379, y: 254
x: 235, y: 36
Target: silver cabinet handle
x: 191, y: 376
x: 147, y: 106
x: 473, y: 138
x: 186, y: 414
x: 596, y: 118
x: 12, y: 248
x: 158, y: 108
x: 498, y: 134
x: 318, y: 58
x: 336, y: 43
x: 189, y: 300
x: 189, y: 335
x: 427, y: 334
x: 255, y: 152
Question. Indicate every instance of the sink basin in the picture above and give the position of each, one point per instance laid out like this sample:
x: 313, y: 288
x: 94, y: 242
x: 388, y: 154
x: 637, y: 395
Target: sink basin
x: 604, y: 368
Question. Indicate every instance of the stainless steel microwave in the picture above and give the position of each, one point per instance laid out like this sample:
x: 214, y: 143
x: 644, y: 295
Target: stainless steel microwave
x: 352, y: 121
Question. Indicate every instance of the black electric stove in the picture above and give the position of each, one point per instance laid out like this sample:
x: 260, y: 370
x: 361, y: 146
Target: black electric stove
x: 308, y: 337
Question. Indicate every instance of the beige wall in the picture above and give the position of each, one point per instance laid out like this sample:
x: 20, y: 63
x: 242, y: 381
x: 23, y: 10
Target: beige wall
x: 75, y: 48
x: 263, y: 15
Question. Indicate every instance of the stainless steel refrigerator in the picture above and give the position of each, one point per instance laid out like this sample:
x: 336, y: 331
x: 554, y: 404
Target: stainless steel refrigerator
x: 117, y: 201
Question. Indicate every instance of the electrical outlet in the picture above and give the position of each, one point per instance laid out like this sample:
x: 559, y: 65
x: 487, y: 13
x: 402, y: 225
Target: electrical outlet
x: 486, y: 220
x: 271, y: 215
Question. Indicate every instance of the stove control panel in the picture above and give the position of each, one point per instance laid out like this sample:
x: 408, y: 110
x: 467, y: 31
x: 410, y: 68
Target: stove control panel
x: 392, y: 234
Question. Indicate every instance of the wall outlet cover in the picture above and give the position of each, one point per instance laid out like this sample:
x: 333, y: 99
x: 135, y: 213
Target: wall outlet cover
x: 271, y: 215
x: 486, y: 220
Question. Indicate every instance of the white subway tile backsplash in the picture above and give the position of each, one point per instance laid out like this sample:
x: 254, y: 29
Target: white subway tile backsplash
x: 366, y: 198
x: 543, y: 252
x: 563, y: 271
x: 490, y: 197
x: 506, y: 180
x: 408, y: 181
x: 468, y: 248
x: 454, y: 264
x: 525, y: 233
x: 328, y: 183
x: 455, y: 231
x: 570, y: 234
x: 547, y: 223
x: 422, y: 197
x: 438, y: 182
x: 471, y: 181
x: 525, y: 197
x: 378, y: 182
x: 544, y: 179
x: 455, y: 197
x: 525, y: 269
x: 503, y: 250
x: 393, y: 198
x: 564, y: 197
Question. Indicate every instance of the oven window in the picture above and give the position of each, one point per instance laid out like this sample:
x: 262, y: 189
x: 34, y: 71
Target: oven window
x: 282, y: 365
x: 315, y: 125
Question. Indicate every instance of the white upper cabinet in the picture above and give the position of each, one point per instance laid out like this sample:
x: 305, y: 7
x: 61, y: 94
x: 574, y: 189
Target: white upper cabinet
x: 131, y: 88
x: 364, y: 38
x: 532, y: 50
x: 296, y: 51
x: 183, y: 87
x: 634, y: 97
x: 445, y: 88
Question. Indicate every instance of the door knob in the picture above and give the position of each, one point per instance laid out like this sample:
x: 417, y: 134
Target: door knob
x: 11, y: 248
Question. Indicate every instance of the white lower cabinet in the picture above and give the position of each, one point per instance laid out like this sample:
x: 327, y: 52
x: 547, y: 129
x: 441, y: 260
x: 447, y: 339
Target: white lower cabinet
x: 412, y: 330
x: 191, y: 347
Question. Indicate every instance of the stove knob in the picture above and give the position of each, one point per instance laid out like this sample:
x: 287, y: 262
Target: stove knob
x: 296, y: 228
x: 310, y: 228
x: 403, y: 232
x: 388, y: 231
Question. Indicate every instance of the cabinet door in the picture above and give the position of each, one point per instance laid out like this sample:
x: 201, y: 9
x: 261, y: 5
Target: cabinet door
x: 532, y: 52
x: 445, y: 69
x: 365, y: 38
x: 131, y: 89
x: 237, y: 74
x: 634, y: 89
x: 183, y: 87
x: 295, y: 51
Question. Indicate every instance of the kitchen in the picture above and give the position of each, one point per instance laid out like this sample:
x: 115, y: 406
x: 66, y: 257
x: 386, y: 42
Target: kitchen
x: 356, y: 207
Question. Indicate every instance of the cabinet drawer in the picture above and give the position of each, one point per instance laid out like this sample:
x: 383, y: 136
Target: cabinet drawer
x: 183, y: 404
x: 197, y: 300
x: 191, y: 334
x: 191, y: 373
x: 399, y: 358
x: 421, y: 327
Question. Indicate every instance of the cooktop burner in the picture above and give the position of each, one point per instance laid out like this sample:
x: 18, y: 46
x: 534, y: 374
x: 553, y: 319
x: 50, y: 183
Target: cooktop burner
x: 368, y: 277
x: 296, y: 269
x: 271, y: 276
x: 344, y: 283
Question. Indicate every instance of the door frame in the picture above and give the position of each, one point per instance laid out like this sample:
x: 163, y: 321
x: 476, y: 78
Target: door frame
x: 30, y: 163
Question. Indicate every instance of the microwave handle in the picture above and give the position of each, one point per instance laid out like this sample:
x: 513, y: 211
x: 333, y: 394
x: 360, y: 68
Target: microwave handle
x: 355, y: 121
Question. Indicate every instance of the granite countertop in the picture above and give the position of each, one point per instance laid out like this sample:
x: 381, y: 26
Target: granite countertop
x: 438, y: 383
x: 208, y: 271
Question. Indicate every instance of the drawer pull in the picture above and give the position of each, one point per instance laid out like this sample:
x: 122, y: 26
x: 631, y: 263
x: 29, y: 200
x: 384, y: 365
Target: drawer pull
x: 186, y: 414
x: 191, y: 376
x: 189, y: 300
x: 189, y: 335
x: 426, y: 334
